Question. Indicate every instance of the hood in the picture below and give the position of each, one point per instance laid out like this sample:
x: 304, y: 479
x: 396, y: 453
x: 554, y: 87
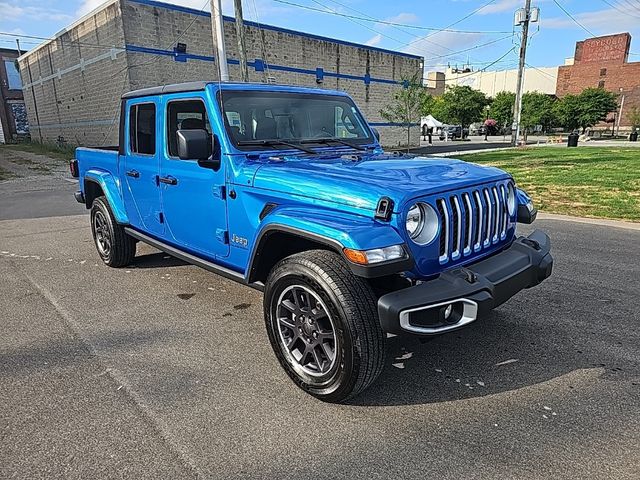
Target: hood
x: 361, y: 183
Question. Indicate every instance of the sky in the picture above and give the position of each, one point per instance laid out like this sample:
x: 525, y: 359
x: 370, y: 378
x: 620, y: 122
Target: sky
x: 444, y: 32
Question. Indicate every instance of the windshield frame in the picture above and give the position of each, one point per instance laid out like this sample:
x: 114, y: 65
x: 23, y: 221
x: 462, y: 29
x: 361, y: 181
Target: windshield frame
x: 368, y: 140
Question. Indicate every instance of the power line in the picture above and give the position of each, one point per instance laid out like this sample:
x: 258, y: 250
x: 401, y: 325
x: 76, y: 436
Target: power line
x: 615, y: 7
x: 472, y: 48
x: 386, y: 22
x: 470, y: 14
x: 67, y: 41
x: 573, y: 18
x: 482, y: 69
x: 634, y: 7
x: 417, y: 37
x: 127, y: 68
x: 541, y: 71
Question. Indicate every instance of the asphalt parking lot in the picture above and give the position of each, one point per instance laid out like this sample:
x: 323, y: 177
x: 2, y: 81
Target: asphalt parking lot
x: 163, y: 370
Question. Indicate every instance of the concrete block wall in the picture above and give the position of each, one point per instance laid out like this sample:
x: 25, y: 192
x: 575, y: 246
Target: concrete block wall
x: 72, y: 84
x: 80, y: 106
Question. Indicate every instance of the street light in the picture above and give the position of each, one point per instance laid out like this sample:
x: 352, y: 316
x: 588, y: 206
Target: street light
x: 486, y: 121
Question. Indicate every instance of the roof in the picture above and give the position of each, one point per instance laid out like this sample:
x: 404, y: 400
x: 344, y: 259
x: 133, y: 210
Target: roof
x: 202, y: 85
x: 173, y: 88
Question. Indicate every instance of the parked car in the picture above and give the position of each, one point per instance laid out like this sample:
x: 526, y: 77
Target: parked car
x: 287, y: 190
x: 451, y: 132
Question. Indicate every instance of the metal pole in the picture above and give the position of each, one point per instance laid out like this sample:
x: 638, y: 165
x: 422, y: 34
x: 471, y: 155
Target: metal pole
x: 242, y: 48
x: 18, y: 44
x: 620, y: 115
x: 517, y: 110
x: 218, y: 31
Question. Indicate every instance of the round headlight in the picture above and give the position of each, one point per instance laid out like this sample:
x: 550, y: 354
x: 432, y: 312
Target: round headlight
x: 415, y: 220
x: 511, y: 199
x: 422, y: 223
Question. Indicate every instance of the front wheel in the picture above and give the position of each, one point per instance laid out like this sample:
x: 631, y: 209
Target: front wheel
x: 323, y: 325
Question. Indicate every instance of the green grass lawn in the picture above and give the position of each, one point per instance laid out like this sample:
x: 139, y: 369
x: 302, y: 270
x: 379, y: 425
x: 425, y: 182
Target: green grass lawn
x: 583, y: 181
x: 63, y: 154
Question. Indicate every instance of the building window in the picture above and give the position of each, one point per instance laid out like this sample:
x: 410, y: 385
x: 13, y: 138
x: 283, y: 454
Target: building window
x: 142, y: 129
x: 601, y: 84
x: 603, y: 72
x: 13, y: 75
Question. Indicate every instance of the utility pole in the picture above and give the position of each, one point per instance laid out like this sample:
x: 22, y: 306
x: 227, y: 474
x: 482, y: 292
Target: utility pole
x: 218, y: 39
x: 19, y: 49
x: 242, y: 47
x: 523, y: 17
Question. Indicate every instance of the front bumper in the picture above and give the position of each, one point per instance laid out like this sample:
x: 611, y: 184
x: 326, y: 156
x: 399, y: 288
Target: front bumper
x: 471, y: 291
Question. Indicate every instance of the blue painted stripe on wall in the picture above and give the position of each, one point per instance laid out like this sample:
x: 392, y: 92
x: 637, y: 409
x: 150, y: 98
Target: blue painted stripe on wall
x: 193, y: 11
x: 258, y: 63
x: 168, y: 53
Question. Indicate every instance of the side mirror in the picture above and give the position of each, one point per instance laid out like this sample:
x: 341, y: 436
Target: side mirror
x: 376, y: 133
x: 198, y: 145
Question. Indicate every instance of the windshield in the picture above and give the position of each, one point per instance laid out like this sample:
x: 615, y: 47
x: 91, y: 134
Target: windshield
x: 252, y: 117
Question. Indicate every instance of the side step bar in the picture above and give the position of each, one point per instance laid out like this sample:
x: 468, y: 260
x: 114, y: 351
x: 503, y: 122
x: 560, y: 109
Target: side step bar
x: 192, y: 259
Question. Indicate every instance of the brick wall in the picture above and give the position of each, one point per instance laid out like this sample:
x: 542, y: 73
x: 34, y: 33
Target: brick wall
x: 603, y: 62
x: 81, y: 105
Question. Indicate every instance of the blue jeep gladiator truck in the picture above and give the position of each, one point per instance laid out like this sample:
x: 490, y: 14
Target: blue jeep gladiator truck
x: 287, y: 190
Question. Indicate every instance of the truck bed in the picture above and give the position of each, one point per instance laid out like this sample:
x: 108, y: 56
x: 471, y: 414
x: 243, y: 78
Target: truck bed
x: 102, y: 159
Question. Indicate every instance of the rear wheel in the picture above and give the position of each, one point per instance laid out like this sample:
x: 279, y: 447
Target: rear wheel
x: 115, y: 247
x: 323, y: 325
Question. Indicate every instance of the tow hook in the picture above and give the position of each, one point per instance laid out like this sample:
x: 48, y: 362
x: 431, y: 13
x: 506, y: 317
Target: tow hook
x: 531, y: 243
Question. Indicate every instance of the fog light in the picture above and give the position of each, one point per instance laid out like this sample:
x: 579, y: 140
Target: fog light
x: 447, y: 311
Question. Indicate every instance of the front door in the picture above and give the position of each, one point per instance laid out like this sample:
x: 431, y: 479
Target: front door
x: 141, y: 166
x: 193, y: 197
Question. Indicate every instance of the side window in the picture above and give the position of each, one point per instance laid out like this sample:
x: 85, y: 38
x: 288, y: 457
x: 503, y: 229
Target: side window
x: 185, y: 115
x: 142, y: 128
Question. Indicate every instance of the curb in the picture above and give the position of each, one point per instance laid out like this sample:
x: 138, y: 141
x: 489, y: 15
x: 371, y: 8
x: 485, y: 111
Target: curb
x: 467, y: 152
x: 591, y: 221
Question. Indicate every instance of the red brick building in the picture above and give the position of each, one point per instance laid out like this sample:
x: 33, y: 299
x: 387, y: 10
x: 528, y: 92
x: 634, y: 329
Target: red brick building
x: 603, y: 62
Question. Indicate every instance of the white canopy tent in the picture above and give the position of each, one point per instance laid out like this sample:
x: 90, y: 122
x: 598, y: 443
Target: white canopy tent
x: 430, y: 122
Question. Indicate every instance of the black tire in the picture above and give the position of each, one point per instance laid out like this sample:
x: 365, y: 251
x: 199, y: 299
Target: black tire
x: 114, y: 246
x: 351, y: 312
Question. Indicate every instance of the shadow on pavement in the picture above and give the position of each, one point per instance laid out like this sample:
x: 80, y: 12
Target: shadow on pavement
x: 496, y: 354
x: 157, y: 260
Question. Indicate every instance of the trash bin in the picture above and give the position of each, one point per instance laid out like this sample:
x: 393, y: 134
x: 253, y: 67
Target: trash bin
x: 634, y: 136
x: 572, y: 141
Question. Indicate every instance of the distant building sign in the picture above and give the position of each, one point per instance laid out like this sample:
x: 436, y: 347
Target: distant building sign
x: 609, y: 48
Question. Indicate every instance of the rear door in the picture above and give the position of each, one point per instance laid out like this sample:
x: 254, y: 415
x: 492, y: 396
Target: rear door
x: 193, y: 197
x: 141, y: 167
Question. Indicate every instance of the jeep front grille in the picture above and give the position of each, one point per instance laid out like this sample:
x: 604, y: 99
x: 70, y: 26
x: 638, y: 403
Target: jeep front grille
x: 472, y: 221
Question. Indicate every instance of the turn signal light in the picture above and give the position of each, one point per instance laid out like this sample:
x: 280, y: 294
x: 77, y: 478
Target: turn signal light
x: 356, y: 256
x: 375, y: 255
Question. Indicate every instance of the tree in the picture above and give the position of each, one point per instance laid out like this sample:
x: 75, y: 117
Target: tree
x: 537, y: 109
x: 462, y: 105
x: 586, y: 109
x: 502, y: 109
x: 406, y: 107
x: 634, y: 118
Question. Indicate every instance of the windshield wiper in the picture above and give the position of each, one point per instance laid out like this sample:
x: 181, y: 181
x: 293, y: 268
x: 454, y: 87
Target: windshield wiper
x: 273, y: 143
x: 335, y: 140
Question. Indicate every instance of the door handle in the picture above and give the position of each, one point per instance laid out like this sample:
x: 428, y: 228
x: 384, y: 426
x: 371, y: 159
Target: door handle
x: 133, y: 173
x: 168, y: 180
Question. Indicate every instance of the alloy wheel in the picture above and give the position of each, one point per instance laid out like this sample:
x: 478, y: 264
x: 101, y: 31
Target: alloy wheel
x: 306, y: 330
